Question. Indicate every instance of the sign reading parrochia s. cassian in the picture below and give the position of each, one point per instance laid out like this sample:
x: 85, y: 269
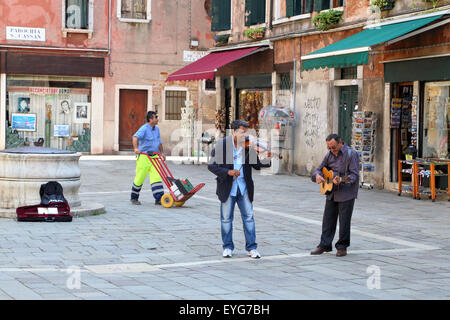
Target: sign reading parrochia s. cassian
x: 23, y: 33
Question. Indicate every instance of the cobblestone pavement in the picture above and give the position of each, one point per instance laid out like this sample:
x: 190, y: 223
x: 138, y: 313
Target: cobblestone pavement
x: 399, y: 246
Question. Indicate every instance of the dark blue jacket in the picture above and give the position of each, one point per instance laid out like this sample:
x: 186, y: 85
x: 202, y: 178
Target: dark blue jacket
x: 222, y: 161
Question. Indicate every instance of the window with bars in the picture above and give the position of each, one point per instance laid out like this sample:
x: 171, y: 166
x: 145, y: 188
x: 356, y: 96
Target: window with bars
x: 210, y: 84
x: 134, y: 9
x: 285, y: 81
x: 77, y: 14
x: 174, y: 102
x: 349, y: 73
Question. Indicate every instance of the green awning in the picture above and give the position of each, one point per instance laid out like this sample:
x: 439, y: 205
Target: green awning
x: 354, y: 50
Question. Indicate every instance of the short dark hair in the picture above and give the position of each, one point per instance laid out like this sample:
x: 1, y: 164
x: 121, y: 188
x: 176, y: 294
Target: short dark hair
x: 236, y: 124
x: 150, y: 115
x: 334, y: 136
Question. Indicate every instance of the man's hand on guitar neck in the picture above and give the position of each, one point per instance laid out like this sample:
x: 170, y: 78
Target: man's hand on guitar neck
x: 337, y: 180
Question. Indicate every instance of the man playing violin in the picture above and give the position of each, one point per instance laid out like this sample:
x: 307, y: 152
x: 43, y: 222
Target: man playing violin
x: 344, y: 162
x: 232, y: 162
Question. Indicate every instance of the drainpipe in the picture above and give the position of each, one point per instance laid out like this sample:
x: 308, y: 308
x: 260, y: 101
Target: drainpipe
x: 294, y: 91
x: 109, y: 39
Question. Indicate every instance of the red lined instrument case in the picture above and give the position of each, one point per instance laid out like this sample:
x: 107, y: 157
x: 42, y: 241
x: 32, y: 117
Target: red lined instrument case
x: 53, y: 212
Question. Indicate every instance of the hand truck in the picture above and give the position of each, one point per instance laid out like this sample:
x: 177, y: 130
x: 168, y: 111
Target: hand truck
x: 169, y: 199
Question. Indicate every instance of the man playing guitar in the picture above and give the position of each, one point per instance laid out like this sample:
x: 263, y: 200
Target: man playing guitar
x: 344, y: 163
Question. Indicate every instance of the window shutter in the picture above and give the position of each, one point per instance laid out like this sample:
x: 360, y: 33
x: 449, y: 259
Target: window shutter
x: 289, y: 8
x: 248, y: 12
x: 255, y: 12
x: 321, y: 5
x: 226, y: 14
x: 308, y: 6
x: 298, y: 7
x: 220, y: 15
x: 261, y: 11
x: 140, y: 9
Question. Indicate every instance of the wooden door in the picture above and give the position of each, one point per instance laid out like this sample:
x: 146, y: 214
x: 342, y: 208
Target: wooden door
x: 132, y: 115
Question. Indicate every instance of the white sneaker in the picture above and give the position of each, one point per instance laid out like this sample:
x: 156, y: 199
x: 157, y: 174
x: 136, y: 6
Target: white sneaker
x: 254, y: 254
x: 227, y: 253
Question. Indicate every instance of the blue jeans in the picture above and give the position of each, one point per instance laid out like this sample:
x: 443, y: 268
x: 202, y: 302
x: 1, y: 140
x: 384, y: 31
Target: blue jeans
x: 226, y: 219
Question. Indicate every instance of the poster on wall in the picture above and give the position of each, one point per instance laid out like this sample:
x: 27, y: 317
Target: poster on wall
x: 61, y: 130
x: 81, y: 112
x: 23, y: 104
x: 65, y: 106
x: 23, y: 121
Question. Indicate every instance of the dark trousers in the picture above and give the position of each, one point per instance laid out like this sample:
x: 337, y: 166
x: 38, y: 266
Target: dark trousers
x: 333, y: 210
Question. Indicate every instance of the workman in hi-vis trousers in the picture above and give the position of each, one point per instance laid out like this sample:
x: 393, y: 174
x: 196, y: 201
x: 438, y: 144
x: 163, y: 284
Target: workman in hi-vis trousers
x: 147, y: 140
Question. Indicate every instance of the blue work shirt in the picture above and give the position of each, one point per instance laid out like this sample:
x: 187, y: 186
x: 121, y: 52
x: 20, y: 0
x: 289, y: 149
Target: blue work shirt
x: 148, y: 138
x: 237, y: 165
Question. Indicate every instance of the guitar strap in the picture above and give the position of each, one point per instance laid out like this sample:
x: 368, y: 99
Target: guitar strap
x: 347, y: 162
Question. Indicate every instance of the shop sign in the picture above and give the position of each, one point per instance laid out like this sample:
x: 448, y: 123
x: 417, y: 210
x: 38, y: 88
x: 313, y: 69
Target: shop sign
x: 28, y: 34
x: 49, y: 90
x: 192, y: 56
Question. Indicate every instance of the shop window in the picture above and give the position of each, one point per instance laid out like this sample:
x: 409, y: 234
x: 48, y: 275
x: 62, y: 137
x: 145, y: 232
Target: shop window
x: 174, y: 101
x: 134, y: 10
x: 49, y: 111
x: 251, y: 101
x: 436, y: 121
x: 221, y: 15
x: 255, y: 12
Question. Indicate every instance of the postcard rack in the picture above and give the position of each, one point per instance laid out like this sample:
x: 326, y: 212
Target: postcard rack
x: 363, y: 141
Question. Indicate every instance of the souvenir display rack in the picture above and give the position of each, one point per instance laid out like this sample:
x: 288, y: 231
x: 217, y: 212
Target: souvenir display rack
x: 363, y: 141
x: 422, y: 169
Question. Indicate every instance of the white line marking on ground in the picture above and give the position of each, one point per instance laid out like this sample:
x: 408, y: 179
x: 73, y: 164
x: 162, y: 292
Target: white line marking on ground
x: 354, y: 231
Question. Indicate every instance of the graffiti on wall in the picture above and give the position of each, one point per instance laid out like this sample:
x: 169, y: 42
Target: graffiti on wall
x: 311, y: 121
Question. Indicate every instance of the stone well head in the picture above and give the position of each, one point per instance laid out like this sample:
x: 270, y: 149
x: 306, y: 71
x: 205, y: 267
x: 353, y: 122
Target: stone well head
x: 24, y: 170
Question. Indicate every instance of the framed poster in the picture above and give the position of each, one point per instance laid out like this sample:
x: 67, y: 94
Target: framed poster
x: 65, y: 106
x: 23, y: 104
x: 61, y: 130
x: 81, y: 112
x: 23, y: 121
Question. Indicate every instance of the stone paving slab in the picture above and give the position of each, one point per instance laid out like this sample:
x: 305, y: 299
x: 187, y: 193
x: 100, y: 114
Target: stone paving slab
x: 175, y: 253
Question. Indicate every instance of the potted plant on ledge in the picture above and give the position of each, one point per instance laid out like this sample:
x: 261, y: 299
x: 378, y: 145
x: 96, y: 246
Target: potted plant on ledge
x: 255, y: 33
x: 327, y: 19
x: 383, y: 4
x: 221, y: 39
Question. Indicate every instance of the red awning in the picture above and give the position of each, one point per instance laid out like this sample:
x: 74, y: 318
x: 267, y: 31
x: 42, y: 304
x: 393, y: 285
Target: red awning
x: 204, y: 68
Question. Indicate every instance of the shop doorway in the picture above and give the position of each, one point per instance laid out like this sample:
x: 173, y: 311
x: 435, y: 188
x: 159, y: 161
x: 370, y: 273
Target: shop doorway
x: 250, y: 102
x: 132, y: 115
x: 401, y: 126
x: 348, y: 97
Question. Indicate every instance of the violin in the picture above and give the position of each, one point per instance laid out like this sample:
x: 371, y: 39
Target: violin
x: 258, y: 144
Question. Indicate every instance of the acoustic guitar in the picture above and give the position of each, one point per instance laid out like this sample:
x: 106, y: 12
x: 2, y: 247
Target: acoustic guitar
x: 327, y: 186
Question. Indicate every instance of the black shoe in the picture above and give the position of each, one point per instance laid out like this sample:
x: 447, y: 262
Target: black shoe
x: 135, y: 202
x: 157, y: 202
